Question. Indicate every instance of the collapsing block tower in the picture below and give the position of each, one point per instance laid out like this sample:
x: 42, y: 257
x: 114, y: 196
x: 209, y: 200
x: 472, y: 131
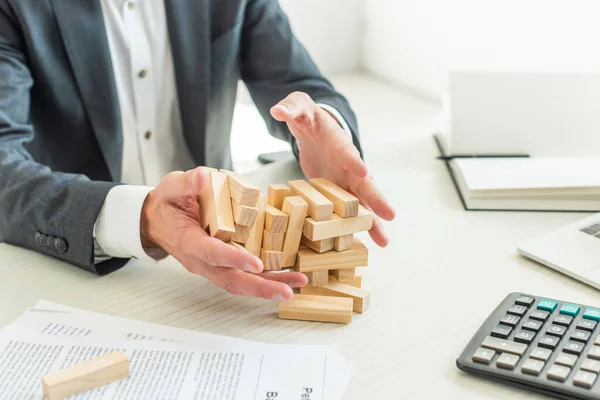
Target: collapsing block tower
x: 305, y: 226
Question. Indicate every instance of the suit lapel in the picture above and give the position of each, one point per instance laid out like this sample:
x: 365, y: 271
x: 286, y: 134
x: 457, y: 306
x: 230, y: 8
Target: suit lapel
x: 81, y: 25
x: 189, y: 32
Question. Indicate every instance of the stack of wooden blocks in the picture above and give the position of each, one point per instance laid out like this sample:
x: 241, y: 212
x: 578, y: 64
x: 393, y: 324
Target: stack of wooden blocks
x: 305, y: 226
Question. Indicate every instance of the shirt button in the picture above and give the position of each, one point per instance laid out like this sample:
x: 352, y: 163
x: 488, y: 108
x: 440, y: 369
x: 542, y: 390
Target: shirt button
x: 142, y: 73
x: 130, y: 5
x: 148, y: 134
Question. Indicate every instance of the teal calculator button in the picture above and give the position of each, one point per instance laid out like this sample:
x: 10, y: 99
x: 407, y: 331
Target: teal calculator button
x: 548, y: 305
x: 592, y: 313
x: 569, y: 309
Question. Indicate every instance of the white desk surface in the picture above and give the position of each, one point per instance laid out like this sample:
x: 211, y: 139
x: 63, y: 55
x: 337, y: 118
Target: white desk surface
x: 444, y: 271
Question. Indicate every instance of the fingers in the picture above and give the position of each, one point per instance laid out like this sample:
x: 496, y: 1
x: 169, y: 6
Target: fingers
x: 295, y: 105
x: 183, y: 184
x: 240, y: 283
x: 349, y: 157
x: 366, y: 190
x: 292, y: 279
x: 378, y: 234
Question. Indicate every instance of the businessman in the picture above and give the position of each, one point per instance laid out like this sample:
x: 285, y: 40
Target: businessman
x: 100, y: 100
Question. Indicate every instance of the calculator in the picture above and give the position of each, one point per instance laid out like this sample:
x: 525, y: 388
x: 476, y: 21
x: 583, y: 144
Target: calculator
x: 540, y: 344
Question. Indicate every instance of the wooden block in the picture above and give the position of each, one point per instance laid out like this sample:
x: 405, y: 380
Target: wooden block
x: 317, y: 308
x: 203, y: 202
x: 357, y: 281
x: 220, y: 215
x: 241, y: 234
x: 360, y: 297
x: 343, y: 243
x: 357, y: 256
x: 273, y: 241
x: 338, y: 226
x: 318, y: 278
x: 85, y: 376
x: 344, y: 204
x: 272, y: 260
x: 344, y: 275
x: 254, y: 242
x: 320, y: 246
x: 276, y: 194
x: 243, y: 215
x: 295, y: 207
x: 242, y: 190
x: 276, y: 221
x: 238, y: 245
x: 319, y: 207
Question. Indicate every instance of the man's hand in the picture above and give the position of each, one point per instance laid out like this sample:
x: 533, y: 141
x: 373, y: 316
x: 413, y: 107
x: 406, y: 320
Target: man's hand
x: 326, y: 150
x: 171, y: 221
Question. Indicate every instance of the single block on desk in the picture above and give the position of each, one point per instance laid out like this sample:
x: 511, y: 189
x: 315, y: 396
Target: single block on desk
x: 317, y: 308
x: 85, y: 376
x: 338, y: 226
x: 241, y: 190
x: 319, y: 207
x: 276, y: 221
x: 272, y: 260
x: 360, y: 297
x: 320, y: 246
x: 254, y: 242
x: 295, y: 207
x: 357, y: 256
x: 243, y: 215
x: 242, y: 233
x: 220, y: 215
x: 343, y: 243
x: 318, y: 278
x: 344, y: 204
x: 276, y: 194
x: 344, y: 275
x: 273, y: 241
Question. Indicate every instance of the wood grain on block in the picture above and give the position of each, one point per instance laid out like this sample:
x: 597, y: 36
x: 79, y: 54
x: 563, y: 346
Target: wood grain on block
x: 338, y: 226
x: 295, y: 207
x: 357, y: 281
x: 243, y: 215
x: 318, y: 278
x: 272, y: 260
x: 238, y: 245
x: 254, y: 242
x: 360, y: 297
x: 273, y: 241
x: 317, y: 308
x: 242, y: 190
x: 203, y: 203
x: 344, y: 275
x: 357, y: 256
x: 276, y: 221
x: 276, y: 194
x: 319, y: 207
x: 241, y: 234
x: 344, y: 204
x: 220, y: 215
x: 320, y: 246
x: 85, y: 376
x: 343, y: 243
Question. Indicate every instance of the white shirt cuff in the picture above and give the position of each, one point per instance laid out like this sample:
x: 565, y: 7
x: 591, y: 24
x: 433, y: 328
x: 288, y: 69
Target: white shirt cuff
x: 336, y: 114
x: 117, y: 229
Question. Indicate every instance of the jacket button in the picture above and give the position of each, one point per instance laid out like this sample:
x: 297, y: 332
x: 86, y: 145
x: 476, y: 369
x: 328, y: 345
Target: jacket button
x: 60, y: 245
x: 40, y: 239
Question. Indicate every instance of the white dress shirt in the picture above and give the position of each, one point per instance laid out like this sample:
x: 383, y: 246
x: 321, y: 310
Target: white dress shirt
x: 153, y: 142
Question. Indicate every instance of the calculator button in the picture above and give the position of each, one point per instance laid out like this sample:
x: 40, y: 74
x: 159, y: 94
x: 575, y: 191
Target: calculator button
x: 592, y: 313
x: 525, y: 300
x: 532, y: 367
x: 564, y: 320
x: 501, y: 331
x: 580, y: 336
x: 540, y: 354
x: 502, y: 345
x: 510, y: 320
x: 483, y: 356
x: 569, y: 309
x: 549, y: 342
x: 573, y: 347
x: 586, y: 325
x: 558, y: 373
x: 539, y: 315
x: 590, y: 365
x: 547, y: 305
x: 507, y: 361
x: 597, y: 341
x: 556, y: 330
x: 532, y: 325
x: 584, y: 379
x: 568, y: 360
x: 524, y: 337
x: 517, y: 310
x: 594, y: 352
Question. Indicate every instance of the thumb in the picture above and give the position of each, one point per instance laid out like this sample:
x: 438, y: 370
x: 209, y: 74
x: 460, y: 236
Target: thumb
x: 189, y: 183
x: 293, y: 106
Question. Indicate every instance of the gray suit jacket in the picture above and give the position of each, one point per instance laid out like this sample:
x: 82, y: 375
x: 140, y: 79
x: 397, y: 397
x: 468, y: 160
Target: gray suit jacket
x: 60, y: 127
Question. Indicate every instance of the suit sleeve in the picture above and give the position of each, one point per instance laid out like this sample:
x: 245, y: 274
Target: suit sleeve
x: 40, y: 209
x: 275, y: 64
